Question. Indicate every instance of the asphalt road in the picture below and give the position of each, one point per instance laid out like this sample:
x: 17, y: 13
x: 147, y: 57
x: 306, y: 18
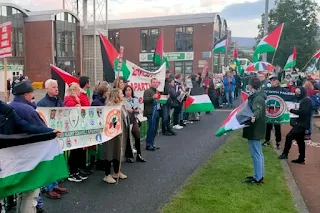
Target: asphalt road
x: 149, y: 185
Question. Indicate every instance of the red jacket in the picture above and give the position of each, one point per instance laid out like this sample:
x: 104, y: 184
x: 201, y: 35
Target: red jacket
x: 84, y: 99
x: 70, y: 101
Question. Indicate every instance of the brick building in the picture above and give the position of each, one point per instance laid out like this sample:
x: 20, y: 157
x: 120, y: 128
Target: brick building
x: 40, y: 39
x: 188, y: 42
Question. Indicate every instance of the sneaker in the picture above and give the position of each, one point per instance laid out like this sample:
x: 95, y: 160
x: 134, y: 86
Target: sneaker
x: 39, y: 210
x: 266, y: 143
x: 177, y: 127
x: 150, y: 148
x: 109, y: 179
x: 121, y: 176
x: 134, y: 151
x: 82, y: 176
x: 74, y: 178
x: 253, y: 181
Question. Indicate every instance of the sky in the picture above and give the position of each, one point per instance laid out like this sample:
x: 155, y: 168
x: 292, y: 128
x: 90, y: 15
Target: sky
x: 243, y: 16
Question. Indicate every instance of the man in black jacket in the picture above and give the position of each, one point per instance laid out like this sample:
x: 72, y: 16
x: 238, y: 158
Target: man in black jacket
x: 275, y: 86
x: 299, y: 126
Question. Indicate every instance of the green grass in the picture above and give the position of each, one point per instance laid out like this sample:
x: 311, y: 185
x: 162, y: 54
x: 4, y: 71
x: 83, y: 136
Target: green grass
x: 217, y: 186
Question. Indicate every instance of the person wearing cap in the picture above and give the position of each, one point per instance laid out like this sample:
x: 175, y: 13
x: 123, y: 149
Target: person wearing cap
x: 275, y: 86
x: 22, y: 103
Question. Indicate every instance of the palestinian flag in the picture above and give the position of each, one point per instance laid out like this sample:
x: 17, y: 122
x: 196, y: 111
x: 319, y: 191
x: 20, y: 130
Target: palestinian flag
x: 198, y: 103
x: 236, y: 61
x: 221, y: 45
x: 292, y: 60
x: 313, y: 63
x: 159, y: 58
x: 30, y: 166
x: 239, y: 118
x: 63, y: 78
x: 269, y: 43
x: 163, y: 99
x: 110, y: 59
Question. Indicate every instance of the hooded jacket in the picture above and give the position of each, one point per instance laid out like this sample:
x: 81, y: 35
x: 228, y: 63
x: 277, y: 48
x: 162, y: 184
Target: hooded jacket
x: 304, y: 112
x: 257, y: 130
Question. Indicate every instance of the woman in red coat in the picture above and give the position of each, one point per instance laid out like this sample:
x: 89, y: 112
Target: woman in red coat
x: 72, y: 100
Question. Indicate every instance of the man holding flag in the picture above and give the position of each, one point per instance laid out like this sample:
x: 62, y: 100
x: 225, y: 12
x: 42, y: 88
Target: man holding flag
x: 256, y: 131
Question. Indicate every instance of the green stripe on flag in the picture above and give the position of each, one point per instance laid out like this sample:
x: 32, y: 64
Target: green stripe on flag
x: 43, y: 174
x: 201, y: 107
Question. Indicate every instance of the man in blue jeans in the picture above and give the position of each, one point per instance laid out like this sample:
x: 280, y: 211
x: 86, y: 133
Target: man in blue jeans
x: 151, y: 110
x: 257, y: 129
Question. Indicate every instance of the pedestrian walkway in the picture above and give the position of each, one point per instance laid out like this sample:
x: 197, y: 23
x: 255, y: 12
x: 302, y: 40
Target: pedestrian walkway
x: 307, y: 176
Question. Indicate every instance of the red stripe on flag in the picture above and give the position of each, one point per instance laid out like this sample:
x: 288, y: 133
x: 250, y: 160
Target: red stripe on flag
x: 111, y: 51
x: 244, y: 96
x: 66, y: 77
x: 188, y: 102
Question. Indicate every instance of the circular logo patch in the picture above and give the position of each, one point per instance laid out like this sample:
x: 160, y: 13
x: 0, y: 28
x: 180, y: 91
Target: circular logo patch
x: 113, y: 123
x: 275, y: 106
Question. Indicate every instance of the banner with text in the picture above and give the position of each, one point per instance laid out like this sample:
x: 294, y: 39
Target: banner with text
x: 140, y: 81
x: 83, y: 126
x: 278, y: 104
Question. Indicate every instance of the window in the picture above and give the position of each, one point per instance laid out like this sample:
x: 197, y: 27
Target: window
x: 114, y: 38
x: 148, y: 39
x: 149, y: 66
x: 183, y: 67
x: 184, y: 39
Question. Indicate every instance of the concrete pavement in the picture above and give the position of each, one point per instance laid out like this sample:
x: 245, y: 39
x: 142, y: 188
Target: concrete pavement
x: 149, y: 185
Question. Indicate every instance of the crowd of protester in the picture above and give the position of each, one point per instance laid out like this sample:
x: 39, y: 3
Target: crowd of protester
x: 222, y: 90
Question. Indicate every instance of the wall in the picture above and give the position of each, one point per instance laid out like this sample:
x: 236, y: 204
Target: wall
x: 38, y: 50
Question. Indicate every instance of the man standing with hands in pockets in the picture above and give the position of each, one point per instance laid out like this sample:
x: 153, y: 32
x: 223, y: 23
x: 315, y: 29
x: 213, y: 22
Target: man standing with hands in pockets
x: 256, y: 131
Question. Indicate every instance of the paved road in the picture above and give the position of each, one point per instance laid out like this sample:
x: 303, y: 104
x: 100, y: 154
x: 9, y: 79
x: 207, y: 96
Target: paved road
x: 150, y: 185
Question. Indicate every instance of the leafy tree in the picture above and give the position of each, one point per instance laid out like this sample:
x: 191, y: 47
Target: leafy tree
x: 300, y: 29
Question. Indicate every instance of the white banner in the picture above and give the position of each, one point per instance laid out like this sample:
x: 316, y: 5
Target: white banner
x: 83, y: 126
x: 140, y: 81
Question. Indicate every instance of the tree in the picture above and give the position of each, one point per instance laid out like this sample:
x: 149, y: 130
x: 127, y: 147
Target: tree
x: 242, y: 54
x: 300, y: 29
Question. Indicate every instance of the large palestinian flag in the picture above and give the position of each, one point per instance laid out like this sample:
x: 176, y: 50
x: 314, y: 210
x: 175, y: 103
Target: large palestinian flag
x: 292, y: 60
x: 32, y: 165
x: 159, y: 58
x: 239, y: 118
x: 221, y: 45
x: 110, y: 60
x: 269, y: 43
x: 198, y: 103
x: 63, y: 78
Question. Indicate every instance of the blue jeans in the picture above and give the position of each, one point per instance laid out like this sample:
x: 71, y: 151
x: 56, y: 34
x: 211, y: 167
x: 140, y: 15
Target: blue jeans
x: 181, y: 113
x: 153, y: 125
x: 50, y: 187
x: 257, y: 158
x: 229, y: 97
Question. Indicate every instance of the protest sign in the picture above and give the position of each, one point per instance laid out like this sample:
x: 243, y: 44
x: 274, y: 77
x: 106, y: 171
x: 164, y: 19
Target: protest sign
x: 278, y: 105
x: 140, y: 81
x: 83, y: 126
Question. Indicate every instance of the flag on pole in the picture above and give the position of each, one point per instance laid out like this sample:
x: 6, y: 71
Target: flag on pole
x: 30, y: 166
x: 313, y: 62
x: 236, y: 60
x: 239, y: 118
x: 269, y: 43
x: 159, y: 58
x: 63, y: 78
x: 110, y: 60
x: 292, y: 60
x: 221, y: 45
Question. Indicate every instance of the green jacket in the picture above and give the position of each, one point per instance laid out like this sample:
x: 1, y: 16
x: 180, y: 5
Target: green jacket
x: 148, y: 101
x: 257, y: 130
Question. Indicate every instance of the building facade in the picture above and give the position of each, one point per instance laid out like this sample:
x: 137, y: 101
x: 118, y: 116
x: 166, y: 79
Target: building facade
x: 188, y: 41
x: 40, y: 39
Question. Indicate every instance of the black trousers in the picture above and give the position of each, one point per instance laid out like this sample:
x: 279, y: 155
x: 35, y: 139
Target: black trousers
x: 77, y: 160
x: 277, y: 130
x: 176, y: 113
x: 298, y: 135
x: 107, y: 169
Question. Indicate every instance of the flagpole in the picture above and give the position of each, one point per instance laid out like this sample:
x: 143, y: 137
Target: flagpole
x: 265, y: 25
x: 306, y: 64
x: 94, y: 41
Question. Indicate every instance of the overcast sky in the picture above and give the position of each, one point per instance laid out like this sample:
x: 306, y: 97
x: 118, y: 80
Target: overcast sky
x: 242, y: 16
